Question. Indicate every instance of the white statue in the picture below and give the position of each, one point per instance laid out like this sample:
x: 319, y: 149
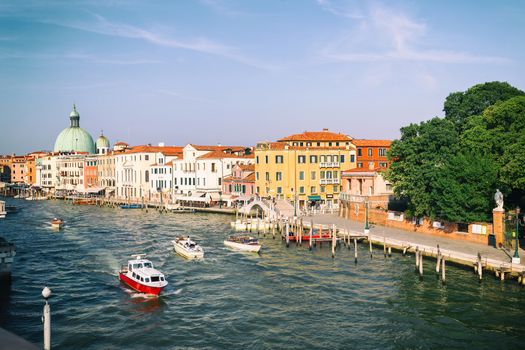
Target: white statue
x: 498, y: 197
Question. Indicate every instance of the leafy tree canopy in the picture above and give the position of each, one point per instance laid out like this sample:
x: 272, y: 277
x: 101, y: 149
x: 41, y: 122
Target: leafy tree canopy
x: 460, y: 106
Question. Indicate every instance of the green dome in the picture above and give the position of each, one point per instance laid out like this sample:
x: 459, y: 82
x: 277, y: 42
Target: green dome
x: 74, y: 138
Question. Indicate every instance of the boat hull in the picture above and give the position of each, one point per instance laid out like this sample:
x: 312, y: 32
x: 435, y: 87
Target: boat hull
x: 252, y: 248
x: 139, y: 287
x: 188, y: 254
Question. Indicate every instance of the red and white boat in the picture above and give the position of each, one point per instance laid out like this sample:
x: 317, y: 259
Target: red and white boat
x: 140, y: 275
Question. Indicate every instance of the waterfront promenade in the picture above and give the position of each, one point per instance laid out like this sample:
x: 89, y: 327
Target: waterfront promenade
x: 421, y: 239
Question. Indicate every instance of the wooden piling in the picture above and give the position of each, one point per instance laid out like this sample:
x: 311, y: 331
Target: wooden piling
x: 384, y: 246
x: 417, y: 258
x: 420, y: 264
x: 287, y: 234
x: 389, y: 251
x: 443, y: 269
x: 273, y: 223
x: 370, y: 246
x: 480, y: 267
x: 355, y: 250
x: 334, y: 241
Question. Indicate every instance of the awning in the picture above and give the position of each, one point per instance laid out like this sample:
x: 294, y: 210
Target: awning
x: 314, y: 198
x: 214, y: 196
x: 191, y: 199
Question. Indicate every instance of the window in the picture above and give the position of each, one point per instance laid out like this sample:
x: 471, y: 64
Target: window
x: 352, y: 158
x: 322, y: 174
x: 257, y: 176
x: 220, y: 181
x: 322, y: 189
x: 382, y: 165
x: 335, y: 172
x: 336, y: 188
x: 279, y: 189
x: 301, y: 159
x: 342, y: 158
x: 257, y: 159
x: 370, y: 152
x: 279, y: 159
x: 359, y: 165
x: 312, y: 175
x: 266, y: 159
x: 278, y: 176
x: 267, y: 176
x: 301, y: 175
x: 312, y: 189
x: 313, y: 159
x: 359, y: 152
x: 382, y: 152
x: 154, y: 278
x: 301, y: 189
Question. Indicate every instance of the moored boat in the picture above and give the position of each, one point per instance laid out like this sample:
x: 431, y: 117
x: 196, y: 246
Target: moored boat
x: 3, y: 212
x: 188, y: 248
x: 130, y: 206
x: 243, y: 243
x: 140, y: 275
x: 57, y: 223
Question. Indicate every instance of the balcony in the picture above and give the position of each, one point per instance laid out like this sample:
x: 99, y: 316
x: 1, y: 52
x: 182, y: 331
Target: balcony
x: 329, y: 164
x: 329, y: 181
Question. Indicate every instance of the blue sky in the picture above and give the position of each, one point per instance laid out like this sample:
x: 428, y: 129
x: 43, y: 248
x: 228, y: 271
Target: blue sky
x: 239, y: 72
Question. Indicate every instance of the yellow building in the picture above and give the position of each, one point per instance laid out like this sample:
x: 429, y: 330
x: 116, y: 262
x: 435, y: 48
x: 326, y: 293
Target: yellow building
x: 304, y: 168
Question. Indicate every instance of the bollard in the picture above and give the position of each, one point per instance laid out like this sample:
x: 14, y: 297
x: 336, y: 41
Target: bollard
x: 370, y: 246
x: 438, y: 263
x: 389, y: 251
x: 384, y: 246
x: 46, y: 319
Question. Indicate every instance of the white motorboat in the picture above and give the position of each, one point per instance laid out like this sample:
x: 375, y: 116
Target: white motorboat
x: 57, y: 223
x: 188, y: 248
x: 243, y: 243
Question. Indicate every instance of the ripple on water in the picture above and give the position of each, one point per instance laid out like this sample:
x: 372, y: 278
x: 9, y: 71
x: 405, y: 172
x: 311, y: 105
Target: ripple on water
x: 283, y: 298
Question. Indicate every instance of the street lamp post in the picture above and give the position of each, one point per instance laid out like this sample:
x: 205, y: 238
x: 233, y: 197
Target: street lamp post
x: 367, y: 228
x: 220, y: 199
x: 516, y: 258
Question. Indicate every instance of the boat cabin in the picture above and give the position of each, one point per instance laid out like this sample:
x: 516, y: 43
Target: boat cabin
x: 142, y: 270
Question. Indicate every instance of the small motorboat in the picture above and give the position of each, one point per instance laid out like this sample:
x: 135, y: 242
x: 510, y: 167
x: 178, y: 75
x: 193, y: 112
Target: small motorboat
x: 243, y: 243
x: 140, y: 275
x: 130, y: 206
x: 188, y: 248
x: 57, y: 223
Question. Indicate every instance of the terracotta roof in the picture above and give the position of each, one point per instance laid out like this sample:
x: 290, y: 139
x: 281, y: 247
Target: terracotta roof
x: 166, y: 150
x: 324, y: 135
x: 372, y: 143
x: 121, y: 143
x: 218, y: 148
x: 282, y: 145
x: 250, y: 178
x: 247, y: 167
x: 220, y: 155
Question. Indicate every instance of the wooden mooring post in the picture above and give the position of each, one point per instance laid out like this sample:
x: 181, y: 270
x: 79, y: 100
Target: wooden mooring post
x: 443, y: 269
x: 417, y: 258
x: 355, y: 250
x: 334, y: 241
x: 478, y: 267
x: 287, y: 234
x: 370, y: 246
x: 273, y: 223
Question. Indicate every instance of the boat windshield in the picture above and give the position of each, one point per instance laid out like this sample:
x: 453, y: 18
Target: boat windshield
x: 148, y: 264
x: 154, y: 278
x: 137, y: 266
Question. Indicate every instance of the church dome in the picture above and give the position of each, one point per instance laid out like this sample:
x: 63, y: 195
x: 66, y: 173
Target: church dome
x: 102, y: 142
x: 74, y: 138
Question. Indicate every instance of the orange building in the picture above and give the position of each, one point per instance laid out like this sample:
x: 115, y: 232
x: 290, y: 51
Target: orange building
x: 90, y: 172
x: 18, y: 169
x: 371, y: 154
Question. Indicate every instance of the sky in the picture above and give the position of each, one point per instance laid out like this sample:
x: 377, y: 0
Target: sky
x: 240, y: 72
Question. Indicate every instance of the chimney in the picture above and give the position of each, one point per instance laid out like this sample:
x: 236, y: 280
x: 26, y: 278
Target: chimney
x: 325, y: 129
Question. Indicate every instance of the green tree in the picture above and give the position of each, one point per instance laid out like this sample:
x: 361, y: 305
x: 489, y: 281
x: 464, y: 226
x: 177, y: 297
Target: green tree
x: 418, y: 158
x: 460, y: 106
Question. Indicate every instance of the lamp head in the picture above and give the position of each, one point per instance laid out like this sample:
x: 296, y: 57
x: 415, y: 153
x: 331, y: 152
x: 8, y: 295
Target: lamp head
x: 46, y: 293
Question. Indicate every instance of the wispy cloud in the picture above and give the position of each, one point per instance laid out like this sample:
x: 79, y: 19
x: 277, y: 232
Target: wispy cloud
x: 395, y: 37
x: 117, y: 60
x: 202, y: 45
x: 182, y: 96
x: 347, y: 12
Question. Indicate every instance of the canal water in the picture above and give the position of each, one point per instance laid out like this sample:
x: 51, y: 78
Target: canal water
x: 283, y: 298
